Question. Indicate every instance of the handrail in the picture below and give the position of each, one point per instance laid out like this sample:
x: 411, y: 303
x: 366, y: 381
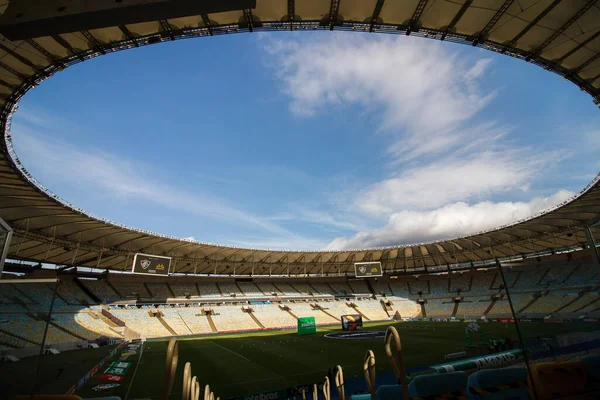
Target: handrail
x: 170, y: 368
x: 339, y: 382
x: 187, y: 382
x: 369, y: 368
x: 397, y: 362
x: 327, y: 389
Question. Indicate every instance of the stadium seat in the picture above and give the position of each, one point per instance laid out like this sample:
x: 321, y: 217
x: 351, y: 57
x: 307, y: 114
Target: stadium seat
x: 500, y: 383
x: 592, y: 372
x: 449, y: 385
x: 558, y: 379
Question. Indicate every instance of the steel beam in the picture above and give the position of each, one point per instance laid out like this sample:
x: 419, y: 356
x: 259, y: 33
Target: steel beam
x: 375, y: 15
x: 488, y: 27
x: 166, y: 27
x: 563, y: 27
x: 456, y: 18
x: 578, y: 47
x: 58, y: 39
x: 129, y: 35
x: 36, y: 18
x: 533, y: 23
x: 19, y: 57
x: 415, y: 17
x: 333, y: 13
x: 93, y: 42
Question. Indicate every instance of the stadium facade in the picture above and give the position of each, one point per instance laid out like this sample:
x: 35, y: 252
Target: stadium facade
x: 560, y: 36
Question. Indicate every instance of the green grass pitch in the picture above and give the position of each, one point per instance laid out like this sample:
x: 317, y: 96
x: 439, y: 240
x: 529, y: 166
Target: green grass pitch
x: 240, y: 364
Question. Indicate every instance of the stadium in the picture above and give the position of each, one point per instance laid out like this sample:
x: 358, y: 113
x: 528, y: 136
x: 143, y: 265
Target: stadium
x: 512, y: 312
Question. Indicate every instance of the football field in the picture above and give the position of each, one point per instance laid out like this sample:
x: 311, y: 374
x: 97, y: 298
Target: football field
x: 239, y: 364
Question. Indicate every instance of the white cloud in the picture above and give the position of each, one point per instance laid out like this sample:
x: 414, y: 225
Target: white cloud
x: 423, y: 91
x: 451, y: 220
x: 103, y: 173
x: 451, y: 179
x: 446, y: 165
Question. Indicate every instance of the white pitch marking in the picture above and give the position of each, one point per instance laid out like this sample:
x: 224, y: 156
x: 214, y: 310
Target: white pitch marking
x: 231, y: 351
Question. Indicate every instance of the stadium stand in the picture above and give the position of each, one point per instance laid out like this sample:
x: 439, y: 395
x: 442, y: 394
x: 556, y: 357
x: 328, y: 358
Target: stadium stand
x: 272, y: 317
x: 372, y: 310
x: 439, y: 308
x: 159, y: 290
x: 131, y: 289
x: 267, y: 288
x: 473, y: 307
x: 250, y: 289
x: 209, y: 290
x: 183, y: 290
x: 381, y: 287
x: 228, y: 289
x: 141, y: 322
x: 101, y: 289
x: 232, y: 318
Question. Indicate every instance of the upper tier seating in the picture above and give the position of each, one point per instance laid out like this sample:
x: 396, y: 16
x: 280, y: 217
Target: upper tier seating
x: 381, y: 287
x: 341, y: 288
x: 132, y: 289
x: 400, y: 289
x: 268, y: 288
x: 184, y: 289
x: 322, y: 288
x: 101, y: 289
x: 482, y: 283
x: 250, y: 289
x: 439, y: 288
x: 459, y: 282
x: 584, y: 275
x: 286, y: 289
x: 159, y: 290
x: 303, y: 288
x: 228, y: 288
x: 359, y: 287
x: 209, y: 290
x: 421, y: 285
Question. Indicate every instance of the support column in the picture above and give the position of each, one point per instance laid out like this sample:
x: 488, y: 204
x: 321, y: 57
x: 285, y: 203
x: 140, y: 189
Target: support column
x: 5, y: 238
x: 592, y: 245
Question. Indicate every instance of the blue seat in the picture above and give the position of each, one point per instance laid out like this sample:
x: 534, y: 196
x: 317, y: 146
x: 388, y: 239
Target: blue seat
x: 389, y: 392
x: 384, y: 392
x: 452, y: 383
x: 592, y: 372
x: 499, y: 383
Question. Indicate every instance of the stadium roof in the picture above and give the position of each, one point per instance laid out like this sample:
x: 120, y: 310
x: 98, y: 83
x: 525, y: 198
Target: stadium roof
x: 46, y: 37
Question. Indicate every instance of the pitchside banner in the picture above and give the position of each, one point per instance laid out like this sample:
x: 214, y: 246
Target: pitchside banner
x: 367, y: 269
x: 148, y: 264
x: 352, y: 322
x: 306, y: 326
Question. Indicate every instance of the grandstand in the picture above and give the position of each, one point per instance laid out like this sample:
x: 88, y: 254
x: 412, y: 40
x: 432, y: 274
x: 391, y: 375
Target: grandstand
x: 548, y: 267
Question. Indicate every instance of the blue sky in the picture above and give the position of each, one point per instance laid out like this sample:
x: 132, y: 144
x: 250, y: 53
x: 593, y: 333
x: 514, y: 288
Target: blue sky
x: 307, y: 141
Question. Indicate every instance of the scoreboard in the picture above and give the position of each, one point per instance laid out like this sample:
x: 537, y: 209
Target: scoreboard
x: 147, y: 264
x: 368, y: 269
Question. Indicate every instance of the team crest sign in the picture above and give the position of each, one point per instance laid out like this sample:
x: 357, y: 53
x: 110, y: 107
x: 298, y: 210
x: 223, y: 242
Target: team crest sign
x: 149, y: 264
